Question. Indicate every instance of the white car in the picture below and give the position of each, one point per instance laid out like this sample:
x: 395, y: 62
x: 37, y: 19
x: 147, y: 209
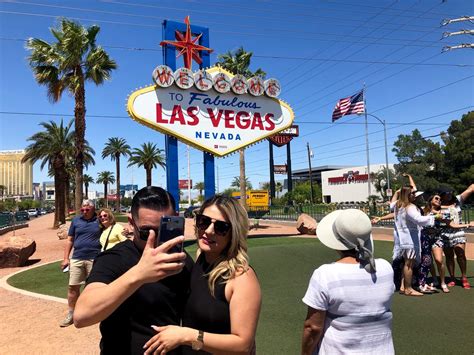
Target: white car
x: 32, y: 212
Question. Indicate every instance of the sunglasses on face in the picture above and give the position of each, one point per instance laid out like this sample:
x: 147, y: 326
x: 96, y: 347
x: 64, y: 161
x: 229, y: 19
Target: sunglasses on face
x: 103, y: 216
x: 144, y: 233
x: 436, y: 199
x: 85, y: 210
x: 220, y: 227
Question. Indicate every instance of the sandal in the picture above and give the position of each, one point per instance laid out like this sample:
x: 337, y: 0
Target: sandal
x: 465, y: 284
x: 451, y: 283
x: 445, y: 288
x: 426, y: 289
x: 413, y: 293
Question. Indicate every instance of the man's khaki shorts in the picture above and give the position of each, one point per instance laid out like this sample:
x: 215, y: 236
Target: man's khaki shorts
x: 79, y: 270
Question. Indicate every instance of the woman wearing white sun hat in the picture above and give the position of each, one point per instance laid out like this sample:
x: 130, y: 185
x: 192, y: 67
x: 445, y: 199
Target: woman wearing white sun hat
x: 349, y: 301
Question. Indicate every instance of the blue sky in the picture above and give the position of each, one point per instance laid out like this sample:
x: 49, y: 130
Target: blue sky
x: 320, y: 51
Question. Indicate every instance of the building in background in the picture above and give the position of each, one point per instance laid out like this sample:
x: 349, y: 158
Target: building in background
x: 128, y: 190
x: 37, y: 193
x: 49, y: 191
x: 349, y: 184
x: 17, y: 177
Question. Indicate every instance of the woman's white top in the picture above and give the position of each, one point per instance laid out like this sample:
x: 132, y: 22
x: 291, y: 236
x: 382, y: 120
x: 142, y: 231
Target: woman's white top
x: 357, y: 305
x: 408, y: 223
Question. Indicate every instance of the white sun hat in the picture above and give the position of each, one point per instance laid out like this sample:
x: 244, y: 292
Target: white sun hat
x: 348, y: 229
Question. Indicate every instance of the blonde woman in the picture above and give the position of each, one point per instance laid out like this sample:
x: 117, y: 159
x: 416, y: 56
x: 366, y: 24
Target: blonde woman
x: 222, y: 310
x: 112, y: 232
x: 408, y: 223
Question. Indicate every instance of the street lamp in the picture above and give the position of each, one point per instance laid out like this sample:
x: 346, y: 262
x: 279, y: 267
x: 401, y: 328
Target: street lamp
x: 386, y: 149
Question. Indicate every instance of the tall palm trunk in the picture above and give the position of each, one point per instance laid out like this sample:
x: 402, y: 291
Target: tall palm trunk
x: 105, y: 195
x: 86, y: 196
x: 80, y: 128
x: 67, y: 197
x: 59, y: 187
x: 243, y: 186
x: 117, y: 168
x: 148, y: 176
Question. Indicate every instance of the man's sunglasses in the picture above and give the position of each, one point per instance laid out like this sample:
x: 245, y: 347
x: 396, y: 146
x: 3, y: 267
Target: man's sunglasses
x: 220, y: 227
x: 85, y: 210
x: 144, y: 233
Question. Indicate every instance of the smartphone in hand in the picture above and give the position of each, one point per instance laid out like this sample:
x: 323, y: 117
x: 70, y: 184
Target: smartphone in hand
x: 171, y: 227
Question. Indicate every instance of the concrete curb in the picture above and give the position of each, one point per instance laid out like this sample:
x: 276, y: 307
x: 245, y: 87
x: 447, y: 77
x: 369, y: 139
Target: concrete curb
x: 4, y: 284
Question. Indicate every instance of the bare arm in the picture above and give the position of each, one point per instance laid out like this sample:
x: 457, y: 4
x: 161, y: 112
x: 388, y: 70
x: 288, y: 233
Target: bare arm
x: 244, y: 308
x: 313, y: 330
x: 451, y: 224
x: 67, y: 251
x: 395, y: 196
x: 411, y: 181
x: 100, y: 300
x: 383, y: 218
x: 466, y: 193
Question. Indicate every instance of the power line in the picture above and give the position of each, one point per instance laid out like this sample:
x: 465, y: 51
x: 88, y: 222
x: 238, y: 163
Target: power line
x: 356, y: 80
x: 279, y: 57
x: 286, y: 32
x: 338, y: 141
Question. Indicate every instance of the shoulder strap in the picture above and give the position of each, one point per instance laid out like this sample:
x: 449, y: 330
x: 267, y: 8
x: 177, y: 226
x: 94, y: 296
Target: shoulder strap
x: 107, y: 240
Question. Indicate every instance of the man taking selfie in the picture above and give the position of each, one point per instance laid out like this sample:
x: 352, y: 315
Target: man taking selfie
x: 137, y: 284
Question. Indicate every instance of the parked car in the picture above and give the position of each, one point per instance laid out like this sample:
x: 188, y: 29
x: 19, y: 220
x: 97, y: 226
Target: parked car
x: 189, y: 212
x: 32, y: 212
x: 42, y: 211
x: 22, y: 216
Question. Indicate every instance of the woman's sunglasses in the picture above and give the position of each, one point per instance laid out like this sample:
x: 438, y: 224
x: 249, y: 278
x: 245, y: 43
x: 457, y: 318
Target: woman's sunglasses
x: 103, y: 216
x: 220, y: 227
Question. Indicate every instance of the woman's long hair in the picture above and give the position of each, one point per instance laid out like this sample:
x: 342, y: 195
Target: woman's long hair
x: 404, y: 199
x: 234, y: 257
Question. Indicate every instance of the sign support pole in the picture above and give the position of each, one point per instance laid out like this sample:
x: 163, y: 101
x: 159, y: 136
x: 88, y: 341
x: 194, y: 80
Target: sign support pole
x: 288, y: 162
x: 171, y: 143
x: 272, y: 172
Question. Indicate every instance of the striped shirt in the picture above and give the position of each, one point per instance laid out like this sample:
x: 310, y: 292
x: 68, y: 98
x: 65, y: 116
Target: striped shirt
x: 357, y: 305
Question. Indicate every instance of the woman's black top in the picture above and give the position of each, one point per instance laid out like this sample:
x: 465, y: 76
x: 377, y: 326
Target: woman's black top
x: 203, y: 311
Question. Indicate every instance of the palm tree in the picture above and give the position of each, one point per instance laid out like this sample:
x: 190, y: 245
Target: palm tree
x: 278, y: 188
x: 199, y: 186
x: 52, y: 147
x: 87, y: 180
x: 114, y: 148
x: 149, y: 156
x: 66, y: 65
x: 106, y: 178
x: 238, y: 62
x: 236, y: 183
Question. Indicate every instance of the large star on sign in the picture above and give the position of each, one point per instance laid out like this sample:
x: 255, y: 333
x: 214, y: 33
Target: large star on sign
x: 188, y: 45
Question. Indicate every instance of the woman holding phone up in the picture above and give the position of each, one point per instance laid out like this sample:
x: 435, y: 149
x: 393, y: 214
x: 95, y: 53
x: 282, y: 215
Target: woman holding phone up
x: 222, y: 310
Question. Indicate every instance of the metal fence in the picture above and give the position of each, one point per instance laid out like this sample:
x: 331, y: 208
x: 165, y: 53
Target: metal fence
x: 291, y: 213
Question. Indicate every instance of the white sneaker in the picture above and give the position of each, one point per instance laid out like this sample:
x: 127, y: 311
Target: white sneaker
x: 67, y: 321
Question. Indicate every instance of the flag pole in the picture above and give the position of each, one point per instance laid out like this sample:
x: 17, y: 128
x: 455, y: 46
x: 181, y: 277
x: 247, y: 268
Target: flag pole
x: 367, y: 144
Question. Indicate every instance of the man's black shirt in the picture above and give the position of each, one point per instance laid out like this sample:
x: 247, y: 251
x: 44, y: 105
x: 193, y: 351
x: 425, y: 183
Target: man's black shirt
x: 161, y: 303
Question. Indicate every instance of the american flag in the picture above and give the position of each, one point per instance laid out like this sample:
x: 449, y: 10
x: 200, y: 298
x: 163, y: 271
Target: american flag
x: 349, y: 105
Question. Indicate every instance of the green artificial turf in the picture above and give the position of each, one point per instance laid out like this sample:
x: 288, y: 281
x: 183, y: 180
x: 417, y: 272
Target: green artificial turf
x: 436, y: 324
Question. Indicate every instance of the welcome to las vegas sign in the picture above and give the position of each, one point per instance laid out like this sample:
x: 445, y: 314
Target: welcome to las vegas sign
x: 212, y: 110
